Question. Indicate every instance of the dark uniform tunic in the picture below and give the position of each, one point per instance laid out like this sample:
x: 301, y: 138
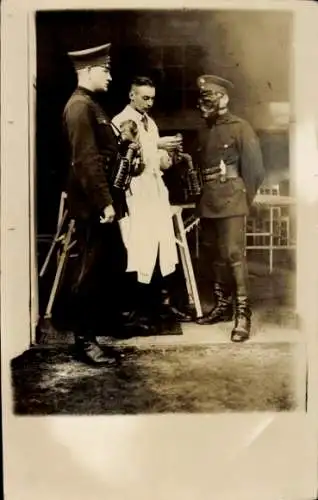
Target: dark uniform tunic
x: 93, y: 159
x: 93, y: 153
x: 233, y: 140
x: 225, y: 200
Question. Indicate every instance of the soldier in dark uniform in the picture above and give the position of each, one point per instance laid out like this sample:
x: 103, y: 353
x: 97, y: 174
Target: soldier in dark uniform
x: 232, y: 171
x: 93, y: 203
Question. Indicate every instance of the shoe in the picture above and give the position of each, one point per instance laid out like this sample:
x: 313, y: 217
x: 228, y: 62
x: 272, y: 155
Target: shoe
x: 171, y: 312
x: 139, y: 323
x: 242, y: 326
x: 223, y: 310
x: 89, y: 352
x: 220, y: 313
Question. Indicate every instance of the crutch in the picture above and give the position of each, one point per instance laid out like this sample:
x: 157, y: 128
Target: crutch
x: 56, y: 239
x: 60, y: 223
x: 45, y: 325
x: 62, y: 260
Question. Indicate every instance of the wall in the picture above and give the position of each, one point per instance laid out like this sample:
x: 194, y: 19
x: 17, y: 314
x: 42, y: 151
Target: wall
x: 250, y: 48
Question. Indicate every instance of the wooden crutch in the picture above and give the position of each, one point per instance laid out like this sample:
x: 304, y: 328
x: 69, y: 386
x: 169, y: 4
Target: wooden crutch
x: 56, y: 239
x: 63, y: 212
x: 67, y: 245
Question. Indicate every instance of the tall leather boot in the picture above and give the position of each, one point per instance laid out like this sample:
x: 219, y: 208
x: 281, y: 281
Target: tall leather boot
x: 223, y: 308
x: 243, y: 313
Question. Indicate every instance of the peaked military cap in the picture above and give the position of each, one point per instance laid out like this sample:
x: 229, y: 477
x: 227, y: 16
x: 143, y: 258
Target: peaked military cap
x: 95, y: 56
x: 213, y: 83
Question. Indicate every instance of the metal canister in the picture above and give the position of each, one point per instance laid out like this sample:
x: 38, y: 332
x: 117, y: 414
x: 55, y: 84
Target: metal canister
x: 194, y: 185
x: 122, y: 178
x: 179, y: 149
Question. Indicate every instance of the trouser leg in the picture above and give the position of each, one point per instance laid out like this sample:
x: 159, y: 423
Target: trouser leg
x: 144, y: 302
x: 232, y: 249
x: 175, y: 287
x: 93, y: 295
x: 212, y: 232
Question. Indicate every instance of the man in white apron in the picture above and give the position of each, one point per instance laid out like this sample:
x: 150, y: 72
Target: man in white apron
x: 148, y: 230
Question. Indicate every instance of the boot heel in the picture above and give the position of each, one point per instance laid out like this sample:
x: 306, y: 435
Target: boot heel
x: 242, y: 328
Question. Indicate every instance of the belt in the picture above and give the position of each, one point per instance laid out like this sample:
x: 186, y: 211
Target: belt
x: 212, y: 174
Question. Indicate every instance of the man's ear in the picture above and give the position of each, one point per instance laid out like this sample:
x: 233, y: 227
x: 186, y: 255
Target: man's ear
x: 88, y: 71
x: 131, y: 94
x: 224, y: 100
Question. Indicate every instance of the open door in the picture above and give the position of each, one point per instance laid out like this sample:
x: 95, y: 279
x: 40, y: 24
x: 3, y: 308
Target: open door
x: 34, y: 295
x: 16, y: 219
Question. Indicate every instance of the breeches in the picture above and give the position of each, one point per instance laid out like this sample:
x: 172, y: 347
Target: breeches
x: 96, y: 275
x: 224, y: 239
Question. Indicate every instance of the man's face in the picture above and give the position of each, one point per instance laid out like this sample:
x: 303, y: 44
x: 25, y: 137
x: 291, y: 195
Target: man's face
x: 142, y: 98
x: 209, y: 105
x: 100, y: 77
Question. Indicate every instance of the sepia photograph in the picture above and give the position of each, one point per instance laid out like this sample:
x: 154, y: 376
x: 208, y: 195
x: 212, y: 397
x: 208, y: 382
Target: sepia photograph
x: 164, y: 215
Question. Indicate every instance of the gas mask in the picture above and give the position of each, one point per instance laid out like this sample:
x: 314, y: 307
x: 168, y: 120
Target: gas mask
x: 211, y: 104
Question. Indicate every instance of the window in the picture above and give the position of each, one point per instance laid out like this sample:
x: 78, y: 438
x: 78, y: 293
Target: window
x: 180, y: 66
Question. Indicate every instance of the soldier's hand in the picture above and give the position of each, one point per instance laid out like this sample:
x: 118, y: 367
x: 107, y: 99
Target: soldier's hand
x: 170, y: 143
x: 134, y: 145
x: 108, y: 215
x: 133, y: 150
x: 187, y: 157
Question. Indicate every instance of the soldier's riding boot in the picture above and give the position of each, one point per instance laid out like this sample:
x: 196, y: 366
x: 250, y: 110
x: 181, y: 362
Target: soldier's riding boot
x: 243, y: 314
x: 223, y: 309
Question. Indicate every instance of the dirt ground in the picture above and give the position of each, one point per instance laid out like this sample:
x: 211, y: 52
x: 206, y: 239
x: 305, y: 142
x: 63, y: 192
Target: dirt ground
x: 190, y: 369
x: 194, y: 379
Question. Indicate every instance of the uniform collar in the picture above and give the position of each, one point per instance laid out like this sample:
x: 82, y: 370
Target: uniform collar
x: 84, y: 90
x: 95, y: 96
x: 224, y: 118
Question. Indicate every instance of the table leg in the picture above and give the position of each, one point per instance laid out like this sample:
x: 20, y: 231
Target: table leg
x: 187, y: 265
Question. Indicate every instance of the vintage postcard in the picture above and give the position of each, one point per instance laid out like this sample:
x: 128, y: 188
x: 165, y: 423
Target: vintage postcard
x: 159, y: 237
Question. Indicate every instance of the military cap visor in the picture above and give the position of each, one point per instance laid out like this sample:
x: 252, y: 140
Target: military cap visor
x: 95, y: 56
x: 211, y: 83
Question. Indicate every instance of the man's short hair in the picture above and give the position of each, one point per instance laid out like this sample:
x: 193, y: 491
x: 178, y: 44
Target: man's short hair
x: 142, y: 81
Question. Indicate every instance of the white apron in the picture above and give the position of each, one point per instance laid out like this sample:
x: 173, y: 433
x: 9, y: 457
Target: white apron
x: 149, y: 227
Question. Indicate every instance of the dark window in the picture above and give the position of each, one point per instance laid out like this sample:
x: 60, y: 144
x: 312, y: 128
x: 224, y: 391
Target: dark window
x: 180, y: 66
